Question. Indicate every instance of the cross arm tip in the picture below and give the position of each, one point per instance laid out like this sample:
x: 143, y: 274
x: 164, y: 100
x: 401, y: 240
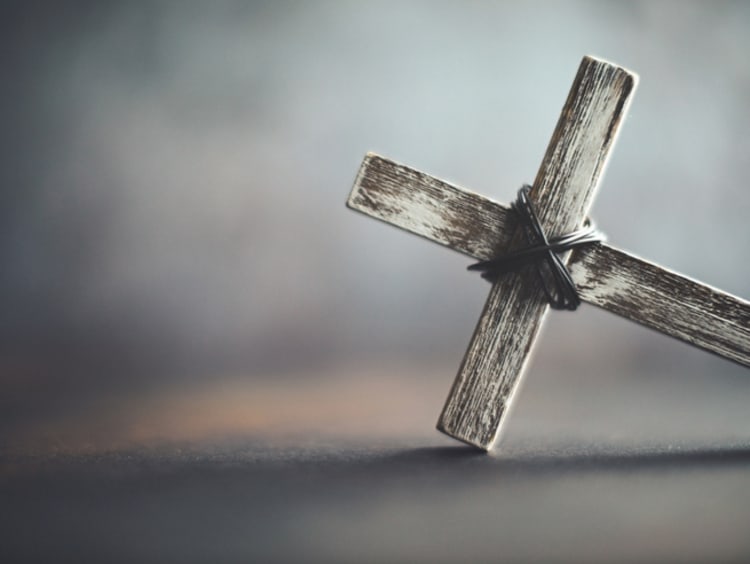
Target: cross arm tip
x: 593, y: 59
x: 352, y: 201
x: 481, y: 445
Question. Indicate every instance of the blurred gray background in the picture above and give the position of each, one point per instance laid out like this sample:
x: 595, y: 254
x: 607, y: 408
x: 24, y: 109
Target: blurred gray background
x: 177, y: 261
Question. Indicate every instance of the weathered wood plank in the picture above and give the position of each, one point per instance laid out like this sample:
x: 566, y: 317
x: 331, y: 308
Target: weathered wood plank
x: 663, y: 300
x: 434, y: 209
x: 513, y: 313
x: 575, y: 157
x: 607, y: 277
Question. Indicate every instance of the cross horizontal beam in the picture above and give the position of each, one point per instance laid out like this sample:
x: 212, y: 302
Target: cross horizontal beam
x: 605, y: 276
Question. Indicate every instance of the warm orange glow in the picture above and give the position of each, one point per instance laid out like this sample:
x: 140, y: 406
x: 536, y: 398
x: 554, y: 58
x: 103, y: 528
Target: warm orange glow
x: 345, y: 402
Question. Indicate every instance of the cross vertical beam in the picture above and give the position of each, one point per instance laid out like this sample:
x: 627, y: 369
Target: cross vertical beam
x: 514, y: 311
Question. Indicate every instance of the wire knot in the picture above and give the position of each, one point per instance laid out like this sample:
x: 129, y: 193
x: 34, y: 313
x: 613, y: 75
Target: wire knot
x: 554, y: 276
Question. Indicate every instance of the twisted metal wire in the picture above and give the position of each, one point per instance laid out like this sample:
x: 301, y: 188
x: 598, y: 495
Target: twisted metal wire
x: 542, y: 252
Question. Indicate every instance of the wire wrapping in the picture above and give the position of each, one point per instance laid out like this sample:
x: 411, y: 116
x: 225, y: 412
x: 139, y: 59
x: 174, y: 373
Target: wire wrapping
x: 541, y: 251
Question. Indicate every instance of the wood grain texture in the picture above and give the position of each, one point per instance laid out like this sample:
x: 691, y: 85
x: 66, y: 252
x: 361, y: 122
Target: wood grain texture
x: 513, y: 313
x: 663, y: 300
x: 605, y: 276
x: 434, y: 209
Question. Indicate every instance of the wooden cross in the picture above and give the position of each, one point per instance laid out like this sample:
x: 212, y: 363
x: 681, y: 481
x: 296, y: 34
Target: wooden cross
x: 605, y: 276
